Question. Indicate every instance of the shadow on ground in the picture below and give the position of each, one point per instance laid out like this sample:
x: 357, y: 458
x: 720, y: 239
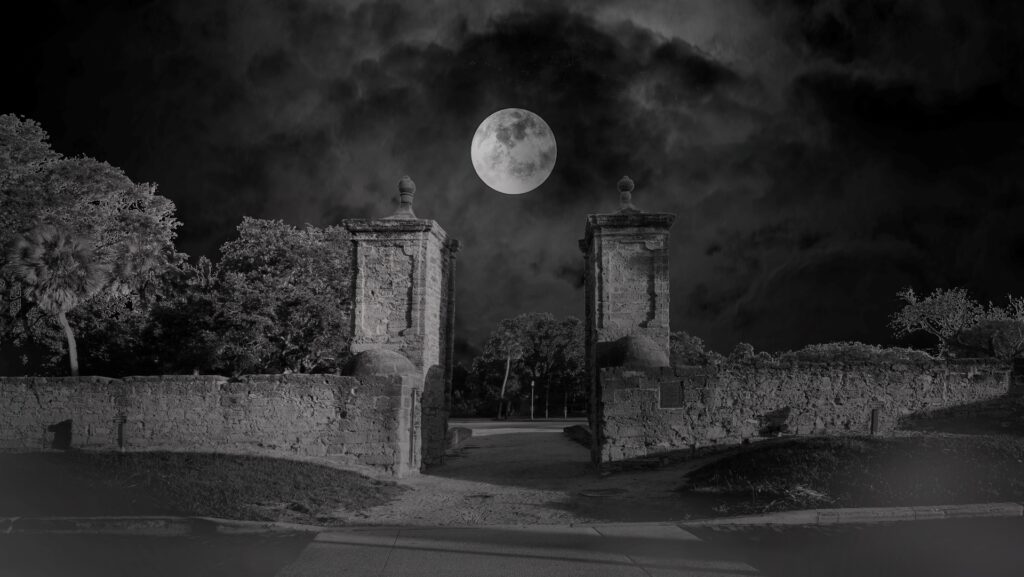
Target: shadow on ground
x: 550, y: 461
x: 50, y: 484
x: 1002, y: 416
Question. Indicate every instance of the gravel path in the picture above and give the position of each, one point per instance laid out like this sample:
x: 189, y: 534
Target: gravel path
x: 530, y: 473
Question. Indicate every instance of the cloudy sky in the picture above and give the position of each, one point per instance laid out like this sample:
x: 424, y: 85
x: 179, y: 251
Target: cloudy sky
x: 819, y: 155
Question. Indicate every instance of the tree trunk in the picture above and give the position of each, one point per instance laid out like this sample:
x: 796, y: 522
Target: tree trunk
x: 501, y: 398
x: 72, y: 346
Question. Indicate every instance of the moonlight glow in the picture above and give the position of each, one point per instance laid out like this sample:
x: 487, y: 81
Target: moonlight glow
x: 513, y: 151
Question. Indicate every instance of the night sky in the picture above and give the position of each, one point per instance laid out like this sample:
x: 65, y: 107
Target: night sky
x: 819, y: 155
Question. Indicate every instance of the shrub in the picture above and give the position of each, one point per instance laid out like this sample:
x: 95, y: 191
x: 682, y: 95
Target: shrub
x: 686, y: 349
x: 853, y: 351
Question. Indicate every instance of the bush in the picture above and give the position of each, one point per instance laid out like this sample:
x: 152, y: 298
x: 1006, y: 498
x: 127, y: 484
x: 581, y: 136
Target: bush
x: 686, y: 349
x: 854, y: 351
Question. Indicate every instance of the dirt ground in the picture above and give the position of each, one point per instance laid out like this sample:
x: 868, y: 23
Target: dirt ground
x: 511, y: 473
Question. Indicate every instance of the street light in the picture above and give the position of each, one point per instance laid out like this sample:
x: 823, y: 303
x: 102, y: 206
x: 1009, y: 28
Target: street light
x: 531, y: 400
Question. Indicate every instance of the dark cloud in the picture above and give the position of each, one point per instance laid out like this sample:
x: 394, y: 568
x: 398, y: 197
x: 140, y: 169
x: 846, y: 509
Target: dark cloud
x: 819, y: 155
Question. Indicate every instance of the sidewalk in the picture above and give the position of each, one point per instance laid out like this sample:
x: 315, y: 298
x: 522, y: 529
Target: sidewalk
x: 630, y: 550
x: 612, y: 549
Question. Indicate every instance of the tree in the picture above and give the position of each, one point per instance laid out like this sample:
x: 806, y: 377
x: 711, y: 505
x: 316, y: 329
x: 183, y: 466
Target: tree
x: 944, y: 314
x: 183, y: 329
x: 128, y: 228
x: 1000, y: 333
x: 285, y: 297
x: 962, y: 325
x: 534, y: 347
x: 57, y: 271
x: 279, y: 300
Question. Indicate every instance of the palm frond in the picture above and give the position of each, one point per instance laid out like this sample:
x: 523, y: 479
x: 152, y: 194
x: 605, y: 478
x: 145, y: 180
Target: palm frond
x: 57, y: 270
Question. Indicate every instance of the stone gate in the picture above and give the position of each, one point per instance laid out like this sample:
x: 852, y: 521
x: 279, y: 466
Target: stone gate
x: 404, y: 302
x: 642, y: 406
x: 627, y: 299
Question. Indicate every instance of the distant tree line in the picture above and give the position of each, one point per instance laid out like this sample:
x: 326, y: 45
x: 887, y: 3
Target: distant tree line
x: 531, y: 357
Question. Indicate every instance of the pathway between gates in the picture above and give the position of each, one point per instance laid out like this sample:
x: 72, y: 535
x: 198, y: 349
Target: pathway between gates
x: 530, y: 473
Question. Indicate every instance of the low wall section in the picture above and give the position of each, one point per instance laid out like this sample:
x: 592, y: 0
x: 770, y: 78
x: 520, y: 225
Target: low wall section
x: 647, y: 411
x: 363, y: 420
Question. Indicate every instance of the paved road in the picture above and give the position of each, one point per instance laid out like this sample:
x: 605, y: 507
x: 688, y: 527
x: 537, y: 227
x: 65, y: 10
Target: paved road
x: 133, y: 556
x: 487, y: 427
x: 606, y: 550
x: 966, y: 548
x: 946, y: 548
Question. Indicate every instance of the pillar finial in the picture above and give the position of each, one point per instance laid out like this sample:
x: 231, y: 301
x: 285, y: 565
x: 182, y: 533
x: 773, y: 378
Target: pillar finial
x: 626, y: 186
x: 406, y: 190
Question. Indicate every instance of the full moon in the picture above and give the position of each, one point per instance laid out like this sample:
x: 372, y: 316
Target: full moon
x: 513, y: 151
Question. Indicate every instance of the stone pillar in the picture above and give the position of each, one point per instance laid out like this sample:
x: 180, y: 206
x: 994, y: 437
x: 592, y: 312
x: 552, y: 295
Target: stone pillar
x: 403, y: 299
x: 626, y: 291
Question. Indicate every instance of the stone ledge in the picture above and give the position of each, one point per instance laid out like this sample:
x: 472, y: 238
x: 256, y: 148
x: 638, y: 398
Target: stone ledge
x: 868, y: 515
x: 170, y: 526
x: 640, y: 219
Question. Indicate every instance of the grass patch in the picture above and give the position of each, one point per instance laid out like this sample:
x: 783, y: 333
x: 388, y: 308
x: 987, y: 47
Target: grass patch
x: 217, y: 485
x: 864, y: 472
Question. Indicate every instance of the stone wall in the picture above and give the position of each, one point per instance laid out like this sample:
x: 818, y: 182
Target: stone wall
x: 651, y: 410
x: 364, y: 420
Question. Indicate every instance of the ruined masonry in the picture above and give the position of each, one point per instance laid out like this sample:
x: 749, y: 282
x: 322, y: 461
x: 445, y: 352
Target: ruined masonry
x: 404, y: 302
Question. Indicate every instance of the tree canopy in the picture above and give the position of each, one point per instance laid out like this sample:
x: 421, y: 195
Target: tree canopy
x: 962, y: 325
x: 285, y: 296
x: 279, y: 300
x: 129, y: 229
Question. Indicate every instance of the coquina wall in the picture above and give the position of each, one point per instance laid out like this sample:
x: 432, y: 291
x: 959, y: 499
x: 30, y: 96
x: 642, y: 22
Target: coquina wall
x: 362, y: 420
x: 644, y: 411
x: 404, y: 297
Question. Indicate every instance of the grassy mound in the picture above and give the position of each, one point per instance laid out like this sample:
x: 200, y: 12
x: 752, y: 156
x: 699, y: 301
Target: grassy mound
x: 159, y: 483
x: 865, y: 472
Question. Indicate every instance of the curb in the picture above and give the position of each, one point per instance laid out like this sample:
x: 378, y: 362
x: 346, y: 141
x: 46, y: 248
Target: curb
x: 868, y: 515
x: 152, y: 526
x: 184, y: 526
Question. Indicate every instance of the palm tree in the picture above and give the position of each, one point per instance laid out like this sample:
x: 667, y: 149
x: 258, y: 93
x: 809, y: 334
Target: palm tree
x: 57, y: 271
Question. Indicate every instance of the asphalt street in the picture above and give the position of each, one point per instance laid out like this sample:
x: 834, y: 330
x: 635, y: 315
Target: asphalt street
x: 943, y: 548
x: 214, y: 555
x: 947, y: 548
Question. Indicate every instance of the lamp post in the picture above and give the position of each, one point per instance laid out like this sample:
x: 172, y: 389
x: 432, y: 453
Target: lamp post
x: 531, y: 400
